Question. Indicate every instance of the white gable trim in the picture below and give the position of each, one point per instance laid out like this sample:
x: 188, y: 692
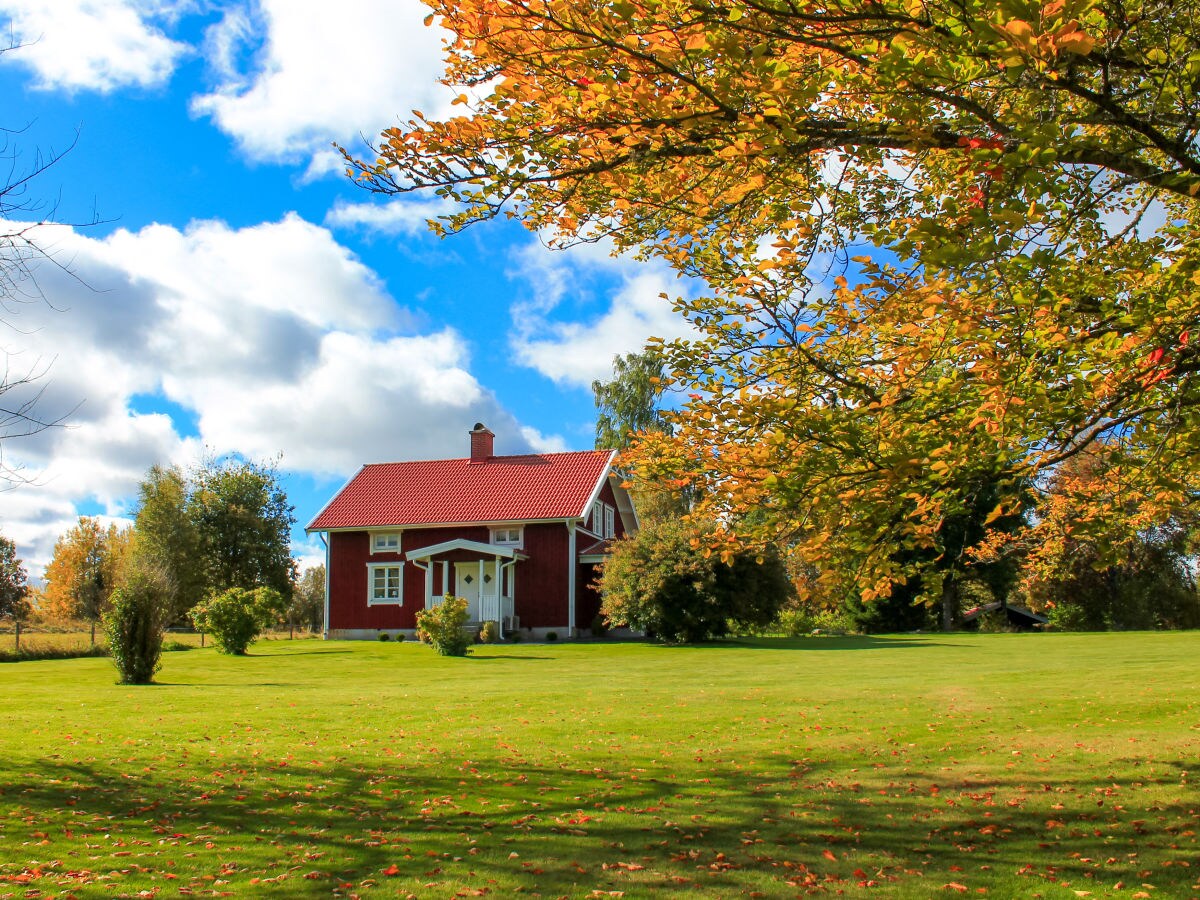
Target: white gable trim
x: 595, y: 494
x: 308, y: 529
x: 464, y: 544
x: 625, y: 507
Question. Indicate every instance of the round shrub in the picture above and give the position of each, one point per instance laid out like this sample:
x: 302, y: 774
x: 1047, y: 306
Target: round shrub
x: 552, y: 635
x: 237, y: 616
x: 444, y: 627
x: 384, y: 636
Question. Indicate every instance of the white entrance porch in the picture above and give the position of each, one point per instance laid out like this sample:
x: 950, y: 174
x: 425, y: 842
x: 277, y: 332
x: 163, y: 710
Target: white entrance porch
x: 487, y: 583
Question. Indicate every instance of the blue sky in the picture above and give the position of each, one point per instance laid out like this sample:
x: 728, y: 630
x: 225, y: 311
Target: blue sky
x: 238, y: 293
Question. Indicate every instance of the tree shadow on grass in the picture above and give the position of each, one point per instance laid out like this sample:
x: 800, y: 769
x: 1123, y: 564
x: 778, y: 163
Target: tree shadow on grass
x: 824, y: 643
x: 412, y: 822
x: 215, y: 684
x: 331, y: 650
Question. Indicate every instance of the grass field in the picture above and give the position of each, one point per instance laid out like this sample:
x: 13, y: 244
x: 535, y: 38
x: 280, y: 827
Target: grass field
x: 1007, y: 765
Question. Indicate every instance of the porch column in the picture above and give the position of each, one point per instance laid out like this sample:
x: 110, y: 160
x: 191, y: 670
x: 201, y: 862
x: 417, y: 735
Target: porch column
x: 429, y: 564
x: 571, y: 566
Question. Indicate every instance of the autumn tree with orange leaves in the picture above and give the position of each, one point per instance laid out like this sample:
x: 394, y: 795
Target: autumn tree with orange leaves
x: 947, y: 245
x: 84, y: 571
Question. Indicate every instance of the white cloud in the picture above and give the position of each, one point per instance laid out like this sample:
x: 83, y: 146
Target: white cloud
x: 574, y: 346
x: 322, y: 73
x: 270, y: 339
x: 577, y: 353
x: 404, y: 216
x: 97, y: 45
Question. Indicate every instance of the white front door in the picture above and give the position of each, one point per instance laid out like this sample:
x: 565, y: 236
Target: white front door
x: 466, y: 585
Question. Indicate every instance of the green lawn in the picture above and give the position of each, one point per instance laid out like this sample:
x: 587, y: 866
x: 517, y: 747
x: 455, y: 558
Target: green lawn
x: 1008, y: 765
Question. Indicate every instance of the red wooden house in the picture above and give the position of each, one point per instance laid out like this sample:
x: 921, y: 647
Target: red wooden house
x: 518, y: 536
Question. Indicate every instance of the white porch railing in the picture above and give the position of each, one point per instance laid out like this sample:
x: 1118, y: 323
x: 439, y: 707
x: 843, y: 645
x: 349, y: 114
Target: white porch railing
x: 491, y: 607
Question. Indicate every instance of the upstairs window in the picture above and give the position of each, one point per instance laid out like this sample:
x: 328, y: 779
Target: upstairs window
x: 506, y: 537
x: 603, y: 520
x: 385, y: 542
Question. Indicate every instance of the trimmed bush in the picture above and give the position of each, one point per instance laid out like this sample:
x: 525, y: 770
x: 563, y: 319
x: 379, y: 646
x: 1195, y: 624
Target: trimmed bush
x: 384, y: 636
x: 236, y: 617
x: 552, y: 635
x: 444, y: 627
x: 33, y: 652
x: 135, y: 620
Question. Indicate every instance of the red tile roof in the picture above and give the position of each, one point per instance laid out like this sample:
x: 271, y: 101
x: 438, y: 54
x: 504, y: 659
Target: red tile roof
x: 457, y: 491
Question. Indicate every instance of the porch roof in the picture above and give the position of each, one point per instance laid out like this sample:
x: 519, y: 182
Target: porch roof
x: 464, y: 544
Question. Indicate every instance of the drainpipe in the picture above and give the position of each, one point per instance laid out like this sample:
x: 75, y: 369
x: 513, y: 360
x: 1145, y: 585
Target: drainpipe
x: 572, y: 565
x: 427, y: 567
x: 512, y: 588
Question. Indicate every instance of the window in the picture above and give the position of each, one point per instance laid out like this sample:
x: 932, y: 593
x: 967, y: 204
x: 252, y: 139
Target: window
x: 506, y: 537
x: 603, y: 520
x: 385, y: 584
x: 385, y: 542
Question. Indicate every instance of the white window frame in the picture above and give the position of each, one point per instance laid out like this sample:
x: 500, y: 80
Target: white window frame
x: 377, y: 536
x: 508, y: 541
x: 372, y: 598
x: 603, y: 521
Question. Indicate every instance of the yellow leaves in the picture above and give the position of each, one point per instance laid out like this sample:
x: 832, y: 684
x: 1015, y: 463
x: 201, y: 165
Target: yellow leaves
x: 994, y: 514
x: 696, y: 42
x: 1030, y: 45
x: 1071, y: 38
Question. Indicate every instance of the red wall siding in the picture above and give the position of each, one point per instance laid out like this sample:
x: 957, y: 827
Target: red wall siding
x: 541, y: 600
x: 541, y: 580
x: 349, y: 553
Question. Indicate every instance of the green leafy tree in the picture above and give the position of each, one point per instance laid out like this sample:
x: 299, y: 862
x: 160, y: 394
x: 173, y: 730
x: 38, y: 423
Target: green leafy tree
x: 665, y: 582
x: 136, y: 617
x: 13, y: 578
x: 236, y: 617
x: 243, y: 523
x: 308, y: 599
x: 166, y: 532
x: 627, y: 405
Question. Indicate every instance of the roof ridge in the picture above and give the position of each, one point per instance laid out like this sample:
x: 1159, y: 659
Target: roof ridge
x: 467, y: 459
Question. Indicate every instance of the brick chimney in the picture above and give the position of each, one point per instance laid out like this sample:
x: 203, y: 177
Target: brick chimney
x: 481, y: 443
